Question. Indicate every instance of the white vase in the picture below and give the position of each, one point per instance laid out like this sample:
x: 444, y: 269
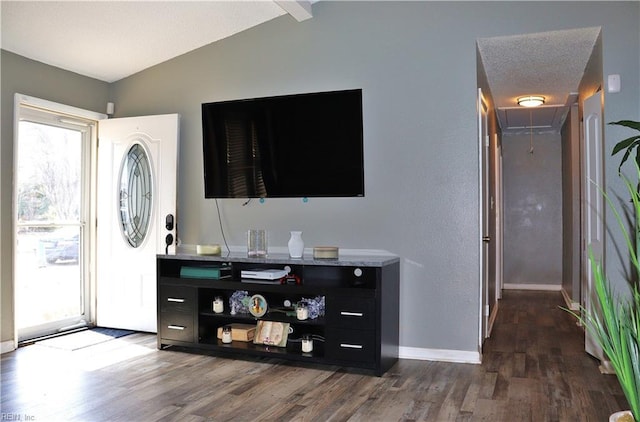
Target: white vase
x: 296, y: 245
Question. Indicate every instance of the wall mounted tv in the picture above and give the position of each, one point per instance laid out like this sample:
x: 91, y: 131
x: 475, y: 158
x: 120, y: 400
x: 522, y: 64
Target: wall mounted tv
x: 304, y: 145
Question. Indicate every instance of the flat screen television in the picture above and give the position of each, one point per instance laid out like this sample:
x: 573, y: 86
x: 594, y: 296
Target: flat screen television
x: 303, y: 145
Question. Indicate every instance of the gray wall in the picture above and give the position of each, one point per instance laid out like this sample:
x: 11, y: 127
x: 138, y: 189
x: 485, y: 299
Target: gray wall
x: 32, y: 78
x: 532, y: 209
x: 420, y: 155
x: 416, y: 63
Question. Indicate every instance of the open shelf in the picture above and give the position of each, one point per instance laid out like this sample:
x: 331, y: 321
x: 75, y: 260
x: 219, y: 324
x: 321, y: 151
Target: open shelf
x: 359, y: 328
x: 269, y: 316
x: 293, y: 348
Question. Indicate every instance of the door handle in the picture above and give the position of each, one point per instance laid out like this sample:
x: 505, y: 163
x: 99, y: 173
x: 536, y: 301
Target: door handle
x: 169, y: 224
x: 486, y: 239
x: 168, y: 241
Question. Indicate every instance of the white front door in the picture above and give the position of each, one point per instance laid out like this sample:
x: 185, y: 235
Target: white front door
x: 137, y: 172
x: 592, y: 205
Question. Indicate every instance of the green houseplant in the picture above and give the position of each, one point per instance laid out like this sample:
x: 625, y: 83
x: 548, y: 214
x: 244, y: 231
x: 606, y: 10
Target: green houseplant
x: 615, y: 323
x: 628, y: 145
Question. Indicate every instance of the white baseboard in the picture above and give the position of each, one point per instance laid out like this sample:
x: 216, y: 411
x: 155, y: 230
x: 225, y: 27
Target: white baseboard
x: 546, y: 287
x: 440, y: 355
x: 574, y: 306
x: 7, y: 346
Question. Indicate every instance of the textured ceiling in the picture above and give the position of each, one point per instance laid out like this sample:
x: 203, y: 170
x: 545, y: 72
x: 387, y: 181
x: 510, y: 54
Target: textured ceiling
x: 550, y: 64
x: 112, y: 40
x: 109, y: 40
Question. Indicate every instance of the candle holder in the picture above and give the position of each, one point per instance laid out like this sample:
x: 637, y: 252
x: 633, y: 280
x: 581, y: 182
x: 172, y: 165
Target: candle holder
x: 257, y: 243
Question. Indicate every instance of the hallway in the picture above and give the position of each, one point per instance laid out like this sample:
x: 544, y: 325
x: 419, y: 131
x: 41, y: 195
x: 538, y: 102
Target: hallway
x: 536, y: 355
x: 535, y: 369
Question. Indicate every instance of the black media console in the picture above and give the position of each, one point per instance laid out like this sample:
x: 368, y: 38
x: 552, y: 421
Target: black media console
x: 359, y: 328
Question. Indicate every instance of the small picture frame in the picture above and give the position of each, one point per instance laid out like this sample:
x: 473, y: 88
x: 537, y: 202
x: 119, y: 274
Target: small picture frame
x: 258, y: 306
x: 272, y: 333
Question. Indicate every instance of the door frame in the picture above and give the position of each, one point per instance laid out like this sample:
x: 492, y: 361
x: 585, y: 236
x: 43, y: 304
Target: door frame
x: 593, y: 231
x: 21, y: 100
x: 496, y: 253
x: 499, y: 213
x: 483, y: 217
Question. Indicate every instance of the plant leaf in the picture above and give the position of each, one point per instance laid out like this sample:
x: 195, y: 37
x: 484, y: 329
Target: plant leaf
x: 626, y: 144
x: 624, y: 158
x: 627, y: 123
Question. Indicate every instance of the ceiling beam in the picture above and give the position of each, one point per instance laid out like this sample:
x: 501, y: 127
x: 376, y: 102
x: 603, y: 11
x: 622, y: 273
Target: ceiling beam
x: 299, y: 9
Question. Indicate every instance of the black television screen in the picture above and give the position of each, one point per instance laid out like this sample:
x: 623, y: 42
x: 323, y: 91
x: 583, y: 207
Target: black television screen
x: 304, y: 145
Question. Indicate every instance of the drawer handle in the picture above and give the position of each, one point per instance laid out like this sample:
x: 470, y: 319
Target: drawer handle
x: 350, y: 346
x: 347, y: 313
x: 175, y: 327
x: 175, y: 299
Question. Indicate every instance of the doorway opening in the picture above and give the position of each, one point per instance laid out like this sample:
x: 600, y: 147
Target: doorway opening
x: 54, y: 158
x: 510, y: 67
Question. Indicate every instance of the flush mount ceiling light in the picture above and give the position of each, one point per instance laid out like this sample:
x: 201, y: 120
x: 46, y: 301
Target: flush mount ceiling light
x: 531, y: 101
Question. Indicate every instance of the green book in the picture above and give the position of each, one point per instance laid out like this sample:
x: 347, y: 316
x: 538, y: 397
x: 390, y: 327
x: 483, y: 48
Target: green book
x: 214, y: 272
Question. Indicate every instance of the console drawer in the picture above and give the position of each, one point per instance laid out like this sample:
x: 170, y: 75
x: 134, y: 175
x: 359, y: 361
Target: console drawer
x: 352, y: 345
x: 177, y: 299
x: 351, y: 312
x: 177, y: 326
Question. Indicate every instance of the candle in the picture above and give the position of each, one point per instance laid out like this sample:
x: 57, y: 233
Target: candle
x: 226, y: 335
x: 218, y: 305
x: 307, y: 344
x: 302, y: 312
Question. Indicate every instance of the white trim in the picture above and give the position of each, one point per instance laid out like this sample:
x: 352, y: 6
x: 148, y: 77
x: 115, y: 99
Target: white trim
x: 544, y: 287
x: 21, y: 99
x: 440, y: 355
x: 482, y: 282
x: 574, y: 306
x: 7, y: 346
x: 300, y: 10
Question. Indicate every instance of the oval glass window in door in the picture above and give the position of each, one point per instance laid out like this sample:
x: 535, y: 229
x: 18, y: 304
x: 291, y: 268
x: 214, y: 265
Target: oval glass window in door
x: 136, y: 195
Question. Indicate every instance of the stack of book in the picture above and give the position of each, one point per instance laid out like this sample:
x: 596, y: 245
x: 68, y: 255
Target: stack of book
x: 215, y: 272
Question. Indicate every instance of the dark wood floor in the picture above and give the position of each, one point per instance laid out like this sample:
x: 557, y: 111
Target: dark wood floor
x: 534, y: 369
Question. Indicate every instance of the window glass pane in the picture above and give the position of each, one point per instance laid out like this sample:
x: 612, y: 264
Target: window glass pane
x: 48, y: 271
x: 135, y: 195
x: 49, y: 169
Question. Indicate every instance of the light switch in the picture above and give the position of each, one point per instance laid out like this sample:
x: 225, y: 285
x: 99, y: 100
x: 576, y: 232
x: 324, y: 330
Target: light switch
x: 613, y: 83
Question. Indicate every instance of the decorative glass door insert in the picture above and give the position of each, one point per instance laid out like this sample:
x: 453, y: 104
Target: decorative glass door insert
x: 136, y: 195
